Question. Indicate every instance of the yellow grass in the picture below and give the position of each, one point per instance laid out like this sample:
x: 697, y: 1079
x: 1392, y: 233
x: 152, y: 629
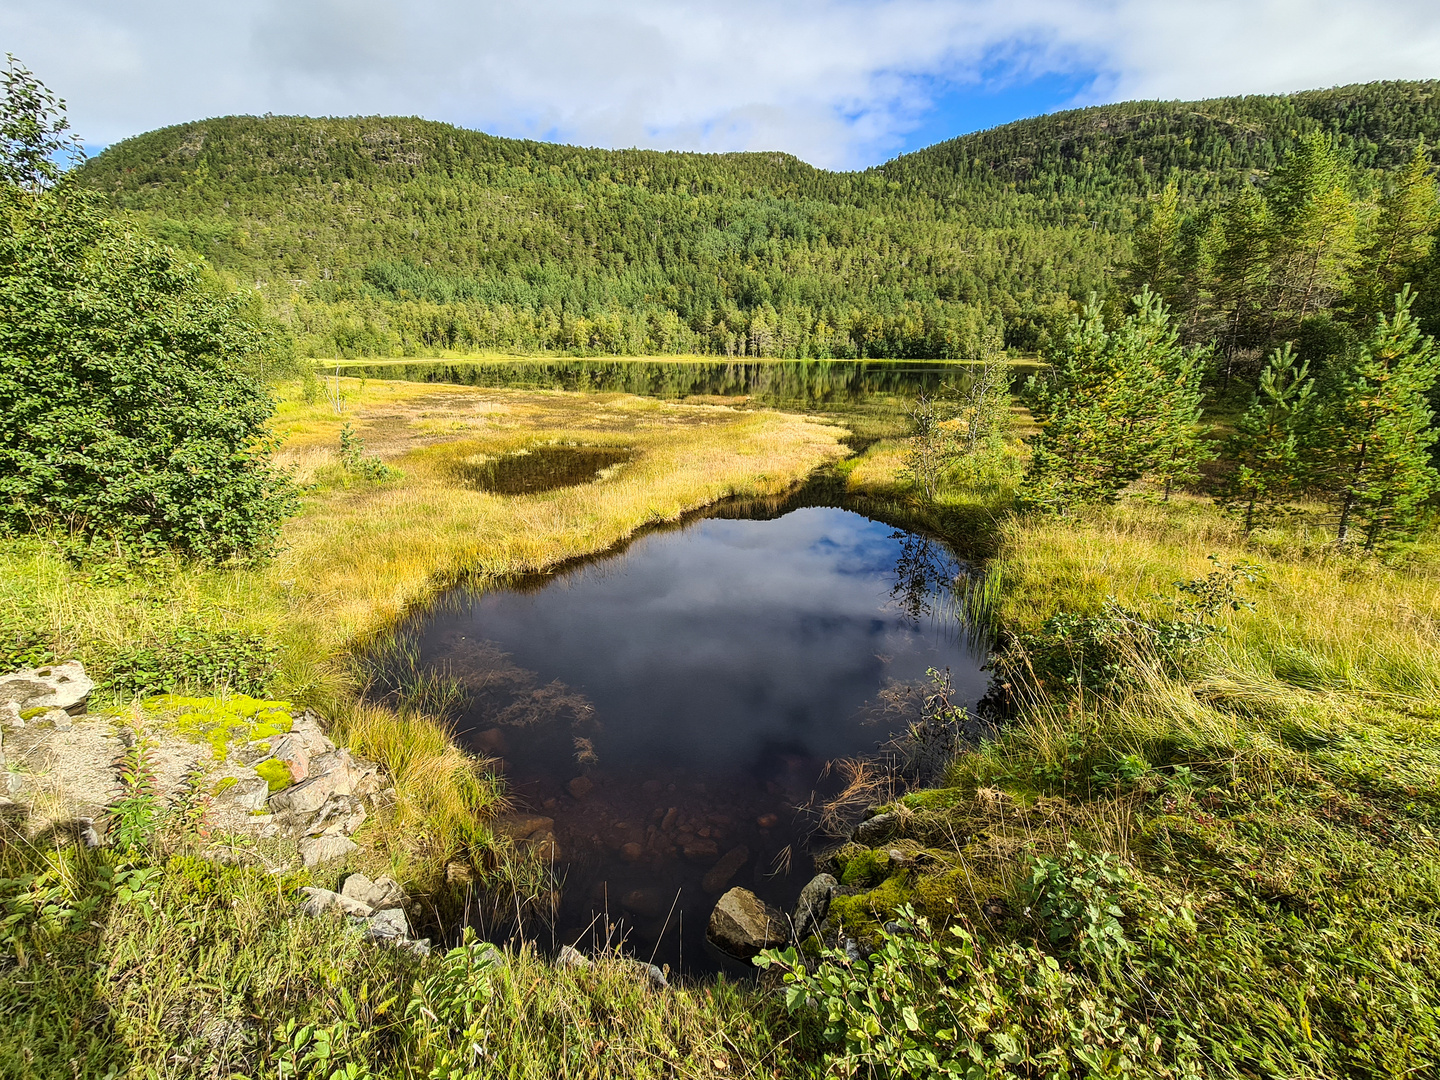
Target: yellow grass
x: 358, y: 556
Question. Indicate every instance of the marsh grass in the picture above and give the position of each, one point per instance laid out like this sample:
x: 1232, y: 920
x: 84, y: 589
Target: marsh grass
x: 1275, y: 799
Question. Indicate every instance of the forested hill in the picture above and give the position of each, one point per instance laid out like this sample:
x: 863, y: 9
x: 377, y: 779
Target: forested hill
x: 1112, y: 153
x: 386, y: 235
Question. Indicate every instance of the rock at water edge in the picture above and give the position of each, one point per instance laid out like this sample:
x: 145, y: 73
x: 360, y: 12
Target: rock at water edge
x: 742, y: 925
x: 814, y: 905
x: 876, y: 830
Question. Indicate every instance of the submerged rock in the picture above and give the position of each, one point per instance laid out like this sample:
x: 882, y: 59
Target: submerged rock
x: 742, y: 925
x: 720, y: 874
x: 522, y: 826
x: 581, y: 786
x: 56, y: 686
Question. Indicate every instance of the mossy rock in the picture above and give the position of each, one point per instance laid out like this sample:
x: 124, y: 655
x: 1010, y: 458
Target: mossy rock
x: 865, y: 867
x: 863, y: 915
x: 275, y: 773
x: 221, y: 720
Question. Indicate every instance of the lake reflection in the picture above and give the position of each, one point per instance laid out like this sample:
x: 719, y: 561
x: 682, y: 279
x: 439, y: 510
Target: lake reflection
x: 698, y: 682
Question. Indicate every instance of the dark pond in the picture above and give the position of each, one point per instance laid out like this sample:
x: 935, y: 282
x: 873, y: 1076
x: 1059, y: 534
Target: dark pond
x: 680, y: 700
x: 541, y: 468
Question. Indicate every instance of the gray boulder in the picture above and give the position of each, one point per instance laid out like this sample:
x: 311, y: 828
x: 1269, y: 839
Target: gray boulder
x: 876, y: 830
x: 319, y: 901
x: 382, y: 894
x: 315, y: 850
x: 57, y: 686
x: 742, y: 925
x: 388, y: 925
x: 571, y: 957
x: 814, y: 905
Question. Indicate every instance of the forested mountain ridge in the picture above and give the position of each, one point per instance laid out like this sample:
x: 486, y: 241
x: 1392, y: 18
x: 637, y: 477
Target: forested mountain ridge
x: 1116, y: 152
x: 390, y: 235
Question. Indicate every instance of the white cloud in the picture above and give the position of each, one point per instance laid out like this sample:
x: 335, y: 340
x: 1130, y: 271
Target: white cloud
x: 836, y: 81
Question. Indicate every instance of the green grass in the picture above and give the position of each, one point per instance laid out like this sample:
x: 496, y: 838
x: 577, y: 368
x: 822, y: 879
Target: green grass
x: 1269, y: 801
x: 1274, y: 798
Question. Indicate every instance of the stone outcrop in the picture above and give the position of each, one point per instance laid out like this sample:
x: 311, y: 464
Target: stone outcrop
x: 56, y: 686
x: 814, y: 905
x: 742, y: 925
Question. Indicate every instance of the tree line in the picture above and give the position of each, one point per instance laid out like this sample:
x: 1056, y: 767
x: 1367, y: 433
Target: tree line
x: 1302, y: 292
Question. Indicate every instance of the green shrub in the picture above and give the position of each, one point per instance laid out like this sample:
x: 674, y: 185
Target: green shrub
x: 129, y: 408
x: 195, y: 657
x: 942, y: 1005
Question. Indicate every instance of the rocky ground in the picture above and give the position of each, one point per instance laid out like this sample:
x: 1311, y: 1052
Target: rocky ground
x: 252, y: 774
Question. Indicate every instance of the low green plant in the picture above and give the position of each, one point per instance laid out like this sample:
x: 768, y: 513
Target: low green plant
x: 193, y: 656
x: 135, y: 814
x: 355, y: 460
x: 942, y: 1004
x: 1076, y: 900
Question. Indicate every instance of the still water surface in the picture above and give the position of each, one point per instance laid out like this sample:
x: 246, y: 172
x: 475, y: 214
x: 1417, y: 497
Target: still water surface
x: 681, y: 699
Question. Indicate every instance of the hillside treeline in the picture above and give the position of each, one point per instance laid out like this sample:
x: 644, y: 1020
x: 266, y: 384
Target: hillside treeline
x: 384, y: 236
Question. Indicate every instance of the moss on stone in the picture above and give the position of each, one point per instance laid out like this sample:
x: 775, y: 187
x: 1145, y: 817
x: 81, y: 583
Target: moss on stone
x: 221, y: 720
x: 275, y: 773
x: 865, y: 867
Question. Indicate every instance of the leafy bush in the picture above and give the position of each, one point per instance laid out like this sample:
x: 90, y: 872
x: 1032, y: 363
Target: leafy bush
x: 1077, y: 899
x: 1111, y: 647
x: 943, y: 1005
x: 128, y: 408
x: 192, y: 656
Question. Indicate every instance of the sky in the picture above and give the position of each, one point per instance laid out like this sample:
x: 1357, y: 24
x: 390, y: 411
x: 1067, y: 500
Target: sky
x: 840, y: 83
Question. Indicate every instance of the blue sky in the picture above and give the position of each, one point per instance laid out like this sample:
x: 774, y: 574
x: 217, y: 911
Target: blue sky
x: 840, y: 83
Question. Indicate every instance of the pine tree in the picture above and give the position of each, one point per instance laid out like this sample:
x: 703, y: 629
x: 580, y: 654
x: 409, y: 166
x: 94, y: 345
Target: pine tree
x: 1265, y: 447
x: 1242, y: 270
x: 1371, y: 440
x: 1156, y: 264
x: 1403, y: 234
x: 1313, y: 245
x: 1115, y: 406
